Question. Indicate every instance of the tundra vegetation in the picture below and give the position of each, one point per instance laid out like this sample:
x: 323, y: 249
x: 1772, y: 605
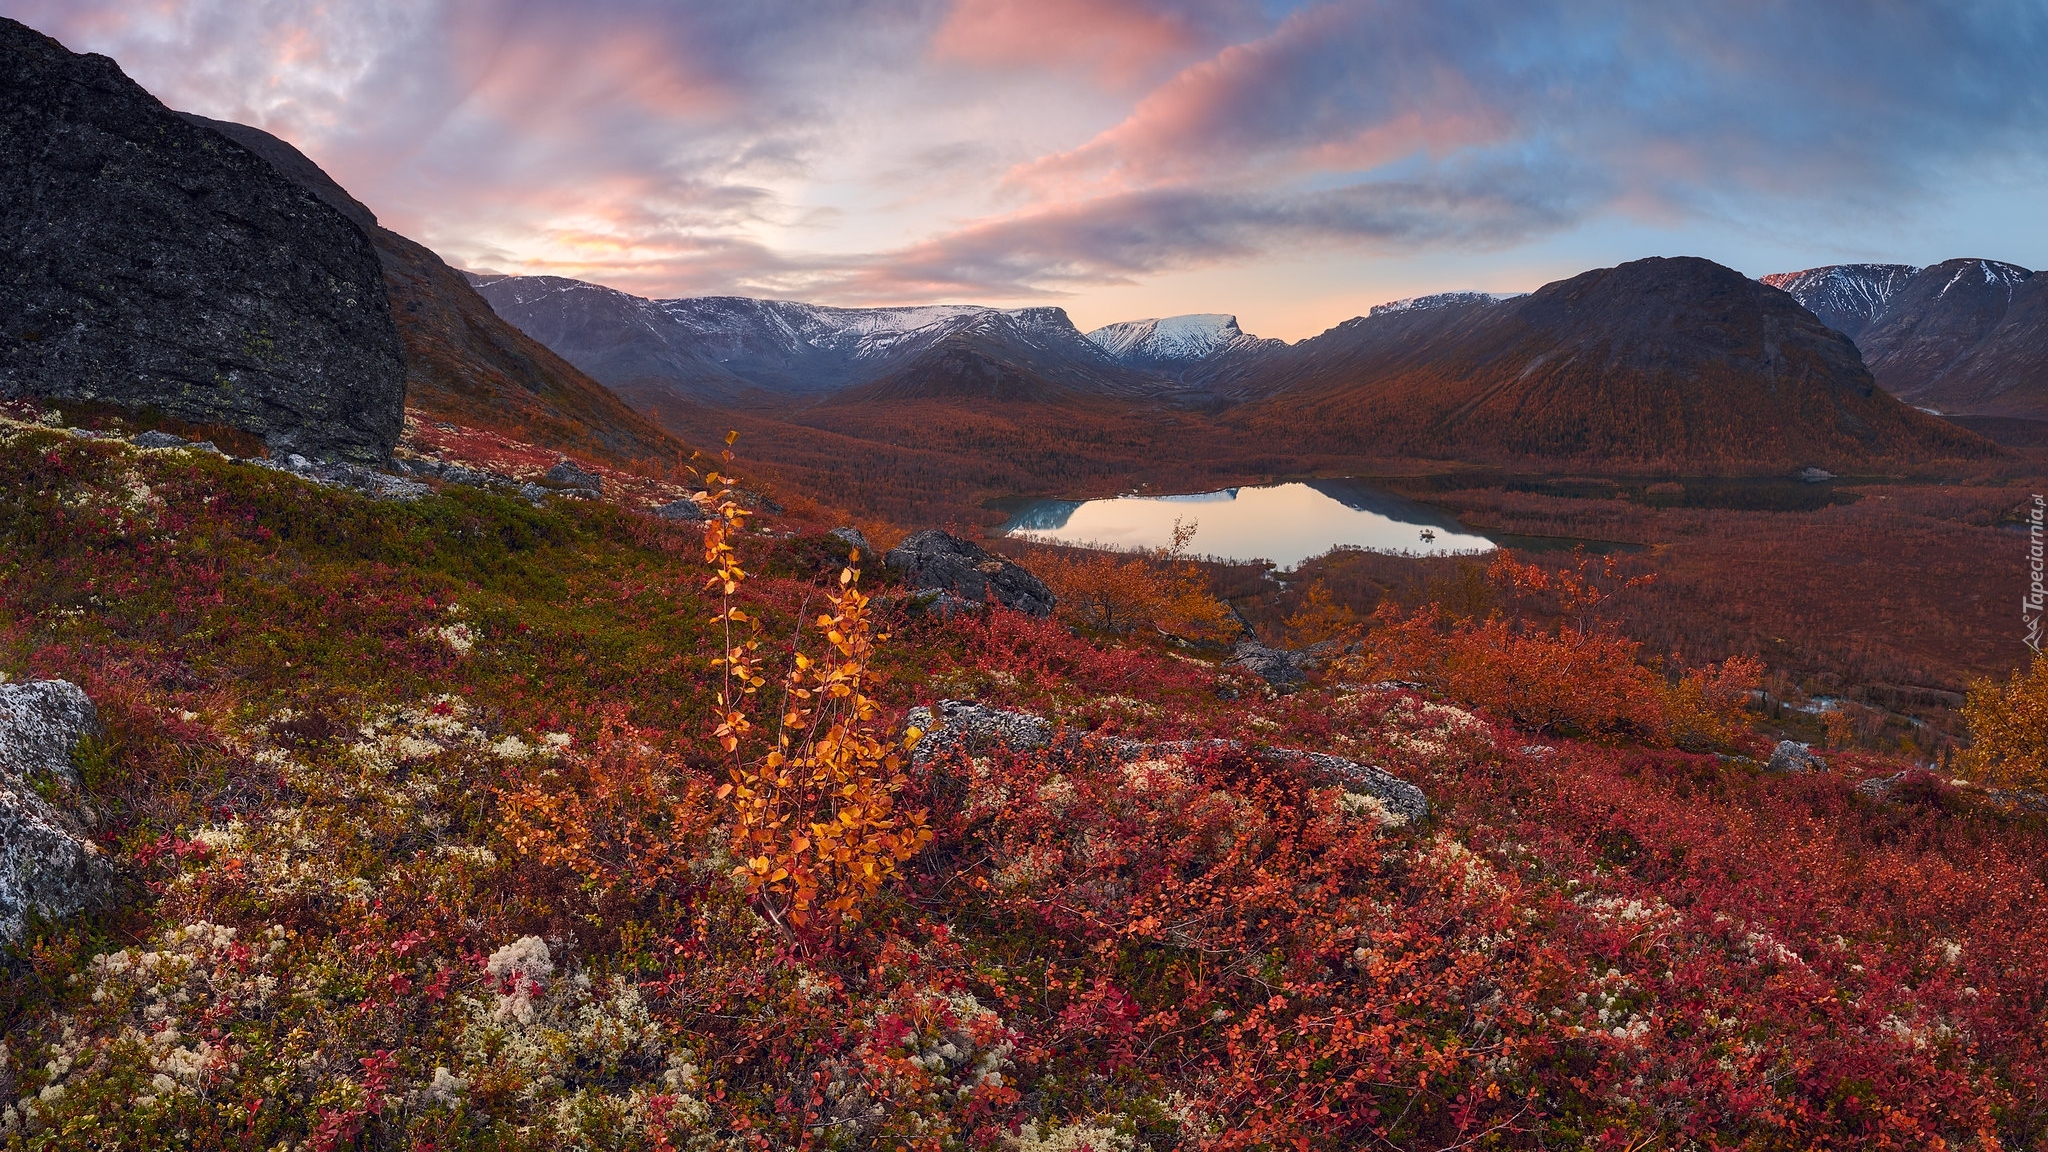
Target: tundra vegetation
x: 469, y: 823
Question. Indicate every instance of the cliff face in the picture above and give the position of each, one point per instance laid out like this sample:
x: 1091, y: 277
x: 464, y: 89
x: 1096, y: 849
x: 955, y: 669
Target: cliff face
x: 155, y: 264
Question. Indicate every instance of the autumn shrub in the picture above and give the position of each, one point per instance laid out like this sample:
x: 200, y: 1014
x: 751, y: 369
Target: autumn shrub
x: 815, y: 820
x: 1574, y: 677
x: 2009, y: 723
x: 1120, y: 592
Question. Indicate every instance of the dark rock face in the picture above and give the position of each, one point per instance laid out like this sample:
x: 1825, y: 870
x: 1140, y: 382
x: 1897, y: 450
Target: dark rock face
x: 154, y: 263
x: 935, y: 561
x: 47, y: 864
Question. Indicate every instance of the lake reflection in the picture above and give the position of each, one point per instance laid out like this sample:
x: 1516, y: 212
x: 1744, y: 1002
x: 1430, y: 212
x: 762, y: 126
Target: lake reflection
x: 1283, y: 523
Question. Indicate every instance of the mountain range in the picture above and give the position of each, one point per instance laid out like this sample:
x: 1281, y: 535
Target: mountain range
x: 1963, y: 337
x: 1658, y: 363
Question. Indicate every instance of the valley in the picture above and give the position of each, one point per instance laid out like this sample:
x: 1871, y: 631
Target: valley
x: 448, y: 709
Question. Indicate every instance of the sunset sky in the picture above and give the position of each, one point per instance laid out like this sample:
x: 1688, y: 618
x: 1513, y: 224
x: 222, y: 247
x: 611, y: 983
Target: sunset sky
x: 1292, y: 163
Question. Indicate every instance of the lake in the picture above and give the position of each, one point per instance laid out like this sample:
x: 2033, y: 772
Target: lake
x: 1283, y: 523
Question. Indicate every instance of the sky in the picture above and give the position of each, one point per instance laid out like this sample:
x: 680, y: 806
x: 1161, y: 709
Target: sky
x: 1289, y: 163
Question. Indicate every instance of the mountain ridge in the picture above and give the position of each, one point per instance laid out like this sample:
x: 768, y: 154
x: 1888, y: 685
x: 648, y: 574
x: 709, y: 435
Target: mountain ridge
x: 1964, y: 337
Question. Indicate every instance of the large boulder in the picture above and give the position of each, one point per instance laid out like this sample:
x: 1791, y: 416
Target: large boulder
x: 154, y: 263
x: 47, y: 865
x: 963, y: 727
x: 1790, y: 756
x: 935, y: 561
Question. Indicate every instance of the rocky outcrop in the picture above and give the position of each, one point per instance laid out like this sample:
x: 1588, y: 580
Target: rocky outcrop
x: 47, y: 865
x: 570, y: 479
x: 683, y: 510
x: 958, y: 726
x: 1280, y: 667
x: 155, y: 264
x: 934, y: 561
x: 1792, y: 756
x: 854, y: 539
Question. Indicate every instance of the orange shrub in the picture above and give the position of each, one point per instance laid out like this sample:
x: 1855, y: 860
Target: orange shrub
x: 1120, y: 593
x: 814, y: 816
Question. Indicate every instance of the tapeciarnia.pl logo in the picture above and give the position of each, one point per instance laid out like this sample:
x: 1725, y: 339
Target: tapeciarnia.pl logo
x: 2037, y: 564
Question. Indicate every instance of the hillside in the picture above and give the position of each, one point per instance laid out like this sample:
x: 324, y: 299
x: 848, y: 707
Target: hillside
x: 1668, y: 363
x: 463, y: 363
x: 425, y: 838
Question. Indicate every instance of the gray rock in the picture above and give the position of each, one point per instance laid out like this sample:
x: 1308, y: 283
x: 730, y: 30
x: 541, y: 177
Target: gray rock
x: 853, y: 539
x: 535, y: 493
x: 935, y: 561
x: 1276, y: 666
x: 685, y: 509
x: 1816, y: 475
x: 1792, y: 756
x: 960, y: 725
x: 155, y: 263
x: 963, y: 726
x: 1879, y: 787
x: 156, y: 439
x: 41, y: 721
x: 349, y: 477
x: 567, y: 476
x: 47, y: 865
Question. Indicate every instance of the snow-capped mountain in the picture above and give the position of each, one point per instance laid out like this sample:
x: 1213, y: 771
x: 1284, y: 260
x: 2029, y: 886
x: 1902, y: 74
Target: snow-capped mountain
x: 1175, y: 341
x: 725, y: 349
x: 1962, y: 337
x: 1440, y: 300
x: 1846, y: 297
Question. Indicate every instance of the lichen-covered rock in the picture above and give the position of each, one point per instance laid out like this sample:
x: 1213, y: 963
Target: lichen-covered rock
x: 47, y: 865
x: 963, y: 726
x: 569, y: 477
x: 683, y: 510
x: 1280, y: 667
x: 41, y: 721
x: 155, y: 263
x: 936, y: 561
x: 1792, y: 756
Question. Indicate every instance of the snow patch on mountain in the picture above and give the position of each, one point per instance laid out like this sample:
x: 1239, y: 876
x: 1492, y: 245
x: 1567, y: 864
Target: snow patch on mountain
x: 1441, y: 300
x: 1845, y: 296
x: 1992, y: 271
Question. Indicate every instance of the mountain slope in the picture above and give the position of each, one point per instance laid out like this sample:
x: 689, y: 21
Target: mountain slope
x: 152, y: 263
x: 1668, y: 363
x: 736, y: 350
x: 1846, y: 297
x: 1966, y: 337
x: 462, y: 362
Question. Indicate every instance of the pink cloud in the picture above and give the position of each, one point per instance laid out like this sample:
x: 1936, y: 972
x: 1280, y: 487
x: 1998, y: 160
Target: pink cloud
x: 1343, y: 87
x: 1120, y: 42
